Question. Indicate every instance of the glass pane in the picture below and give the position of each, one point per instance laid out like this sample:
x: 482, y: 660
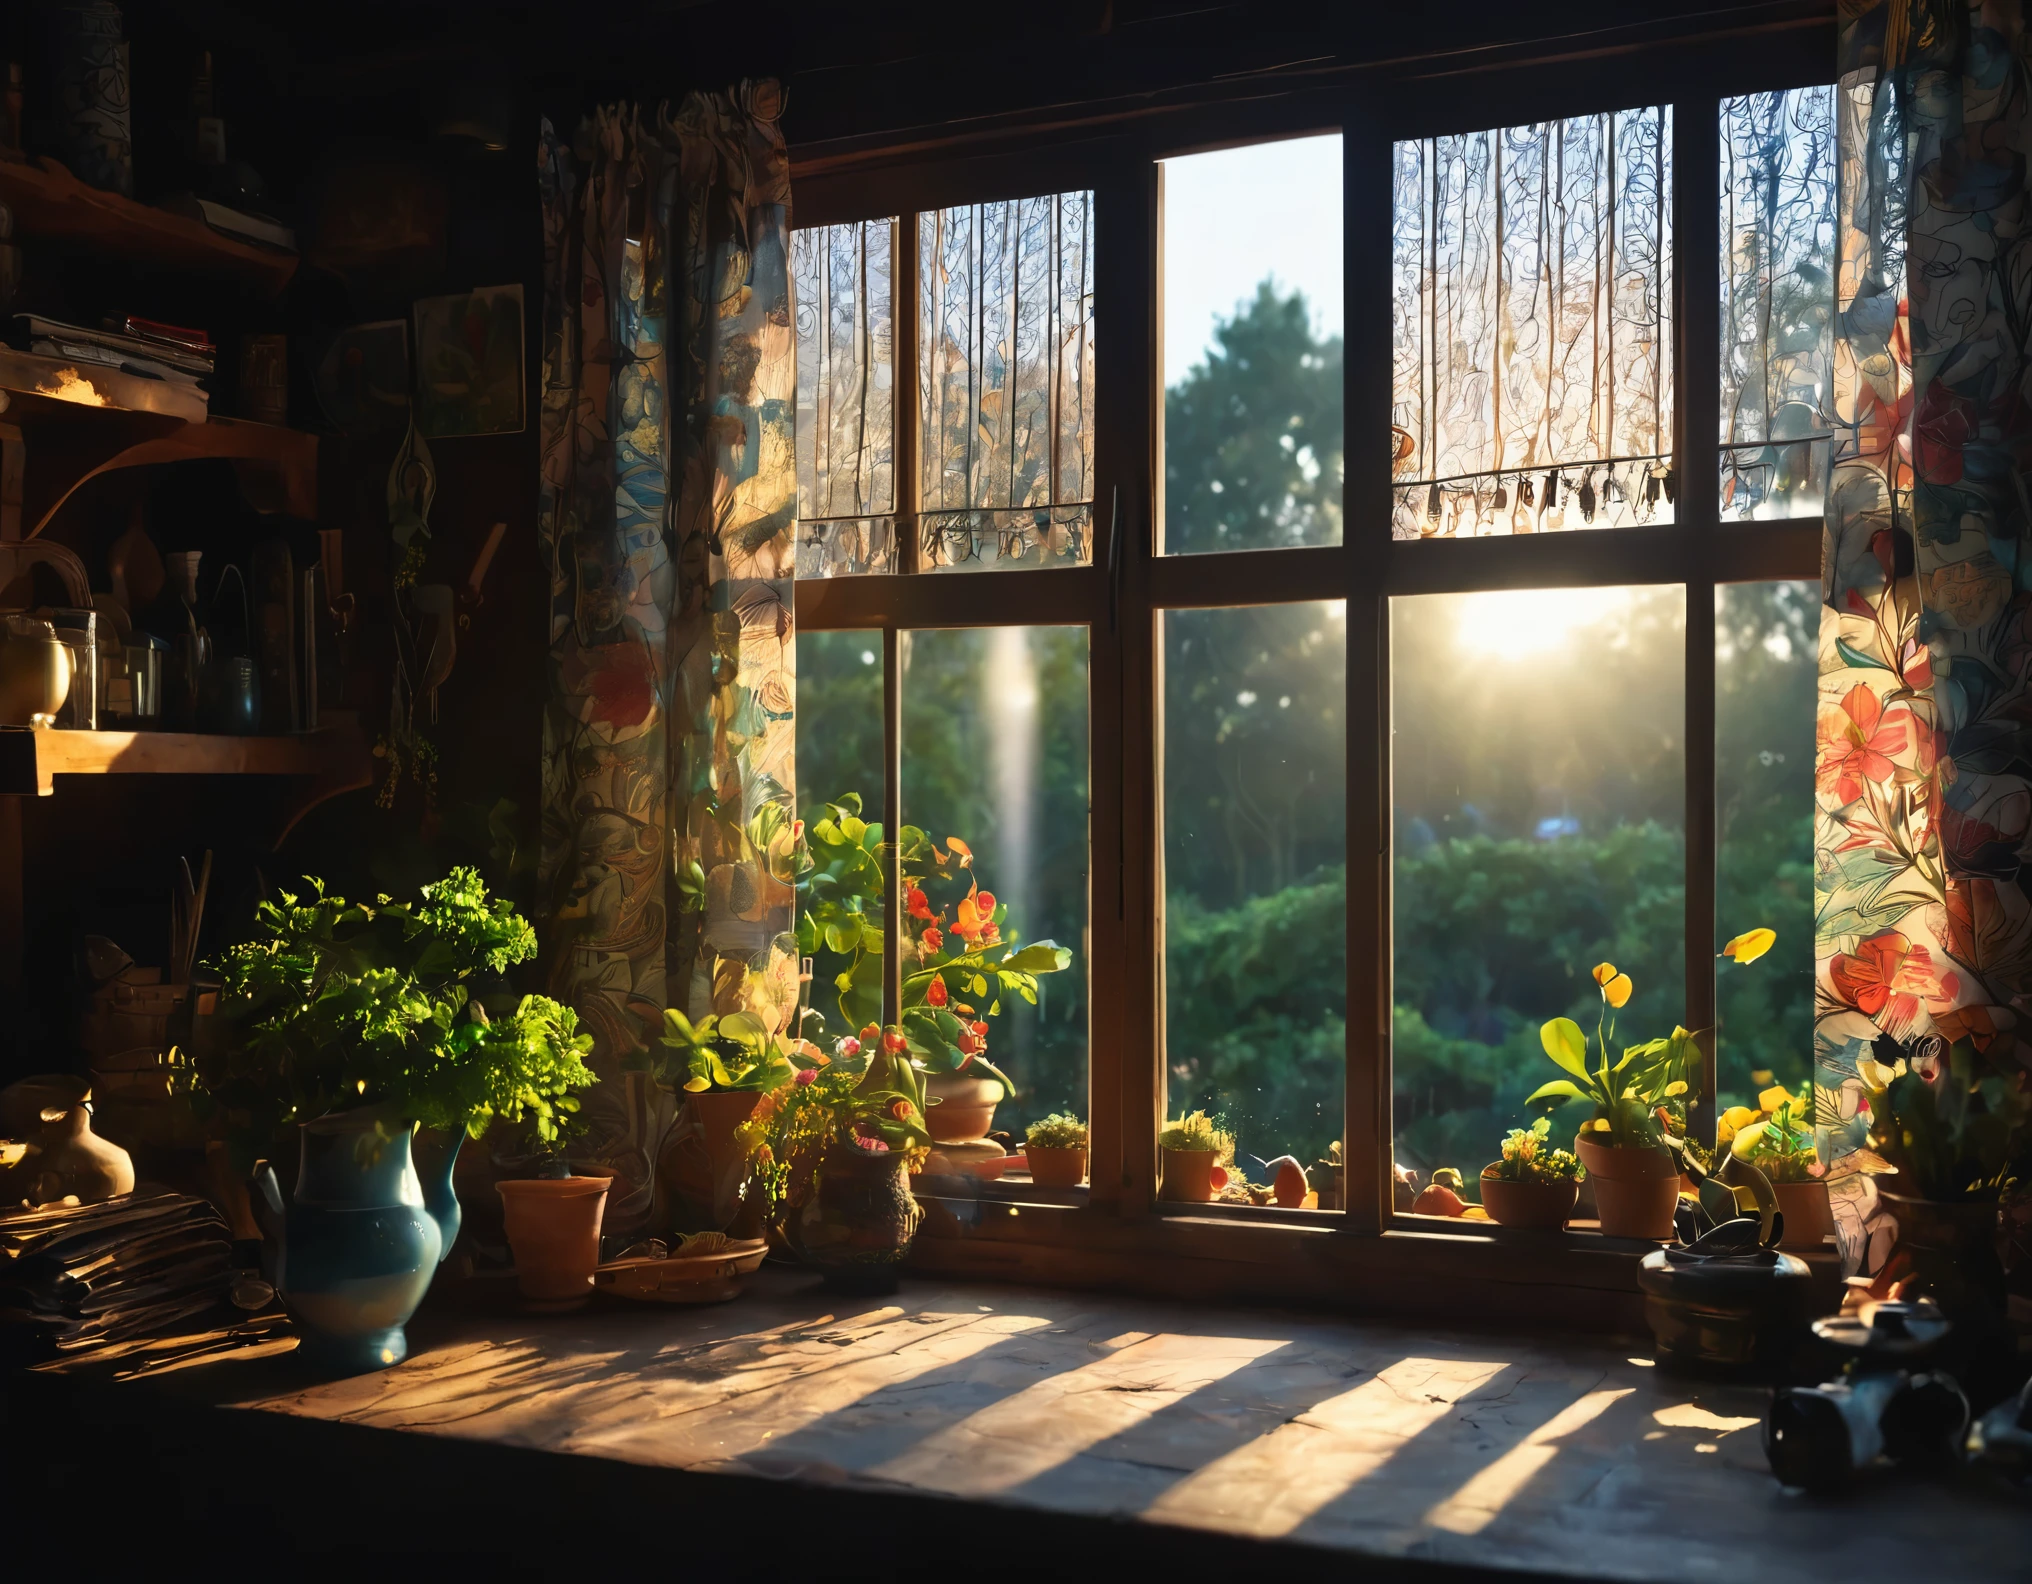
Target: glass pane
x: 1778, y: 282
x: 1006, y: 354
x: 1255, y: 877
x: 839, y: 761
x: 1766, y: 640
x: 1252, y: 347
x: 995, y: 779
x: 846, y: 380
x: 1532, y: 328
x: 1540, y: 825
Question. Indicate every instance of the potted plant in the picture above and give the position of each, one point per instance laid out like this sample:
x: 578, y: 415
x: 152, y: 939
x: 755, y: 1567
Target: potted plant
x: 1777, y: 1139
x: 722, y: 1065
x: 553, y: 1223
x: 1195, y: 1152
x: 831, y: 1153
x: 352, y: 1025
x: 962, y: 956
x: 1635, y: 1102
x: 1954, y: 1131
x: 1056, y: 1149
x: 1532, y: 1185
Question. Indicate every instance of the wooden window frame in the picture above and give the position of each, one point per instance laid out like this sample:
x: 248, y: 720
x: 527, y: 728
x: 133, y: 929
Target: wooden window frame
x: 1367, y: 1252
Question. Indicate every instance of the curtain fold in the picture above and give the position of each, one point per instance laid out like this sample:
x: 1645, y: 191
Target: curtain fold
x: 1923, y: 772
x: 666, y: 510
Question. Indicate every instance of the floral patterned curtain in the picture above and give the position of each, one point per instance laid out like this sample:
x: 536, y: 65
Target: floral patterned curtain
x: 1924, y: 768
x: 666, y: 508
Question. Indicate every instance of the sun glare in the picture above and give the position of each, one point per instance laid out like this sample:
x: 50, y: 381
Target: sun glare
x: 1514, y: 622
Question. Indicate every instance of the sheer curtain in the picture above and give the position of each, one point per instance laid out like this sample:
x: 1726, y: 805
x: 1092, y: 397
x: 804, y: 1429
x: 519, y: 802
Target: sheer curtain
x: 667, y: 508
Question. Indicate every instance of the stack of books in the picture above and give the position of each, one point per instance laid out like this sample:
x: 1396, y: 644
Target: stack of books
x: 74, y: 1277
x: 138, y: 348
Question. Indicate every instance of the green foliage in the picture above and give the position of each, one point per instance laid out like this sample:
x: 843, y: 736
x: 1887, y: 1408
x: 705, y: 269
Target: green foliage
x: 1953, y: 1127
x: 1527, y: 1159
x: 870, y: 1101
x: 1199, y: 1134
x: 1624, y: 1098
x: 737, y: 1052
x: 1779, y: 1143
x: 1060, y: 1130
x: 397, y: 1006
x: 962, y: 956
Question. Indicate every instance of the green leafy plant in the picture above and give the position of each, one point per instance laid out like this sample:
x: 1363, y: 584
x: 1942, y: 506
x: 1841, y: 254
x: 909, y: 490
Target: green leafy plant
x: 1776, y: 1139
x: 1060, y: 1130
x: 398, y: 1006
x: 737, y: 1051
x: 1954, y: 1128
x: 867, y: 1099
x: 1527, y: 1159
x: 961, y: 954
x: 1639, y: 1099
x: 1198, y: 1133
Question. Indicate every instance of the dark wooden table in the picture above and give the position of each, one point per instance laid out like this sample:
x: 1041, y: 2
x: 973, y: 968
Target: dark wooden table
x: 1057, y: 1420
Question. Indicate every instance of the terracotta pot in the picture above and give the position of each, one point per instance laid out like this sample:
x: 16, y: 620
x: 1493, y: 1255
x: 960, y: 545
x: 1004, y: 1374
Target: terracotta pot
x: 1190, y: 1176
x: 1636, y: 1190
x: 1808, y: 1219
x: 1528, y: 1204
x: 554, y: 1228
x: 857, y: 1226
x: 1057, y: 1168
x: 960, y: 1109
x: 720, y: 1112
x: 1953, y: 1248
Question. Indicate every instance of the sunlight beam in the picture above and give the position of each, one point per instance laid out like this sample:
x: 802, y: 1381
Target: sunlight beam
x: 1470, y: 1509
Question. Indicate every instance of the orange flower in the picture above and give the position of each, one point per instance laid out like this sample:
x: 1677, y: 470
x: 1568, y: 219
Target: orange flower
x: 902, y: 1110
x: 931, y: 940
x: 917, y: 906
x: 1888, y: 977
x: 1856, y: 742
x: 935, y: 993
x: 985, y: 902
x: 894, y: 1043
x: 981, y: 1029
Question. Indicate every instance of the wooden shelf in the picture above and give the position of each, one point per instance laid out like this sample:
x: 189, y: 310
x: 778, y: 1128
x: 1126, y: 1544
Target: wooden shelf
x: 67, y: 443
x: 51, y: 204
x: 322, y: 764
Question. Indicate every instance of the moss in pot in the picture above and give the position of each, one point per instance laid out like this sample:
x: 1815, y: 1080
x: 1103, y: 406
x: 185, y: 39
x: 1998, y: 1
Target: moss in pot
x: 1533, y: 1185
x: 1056, y: 1149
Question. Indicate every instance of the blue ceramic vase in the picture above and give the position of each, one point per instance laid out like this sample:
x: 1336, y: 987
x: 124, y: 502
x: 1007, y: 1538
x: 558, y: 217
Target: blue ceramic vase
x: 353, y: 1251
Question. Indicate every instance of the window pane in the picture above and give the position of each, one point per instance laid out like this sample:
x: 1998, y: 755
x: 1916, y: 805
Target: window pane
x: 1006, y: 352
x: 1540, y: 819
x: 1252, y: 347
x: 995, y: 755
x: 1766, y: 656
x: 1532, y: 328
x: 1255, y: 875
x: 839, y: 759
x: 1778, y: 279
x: 846, y: 379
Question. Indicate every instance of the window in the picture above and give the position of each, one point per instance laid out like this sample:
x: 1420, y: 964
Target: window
x: 846, y: 390
x: 1331, y: 802
x: 1252, y: 347
x: 1532, y: 328
x: 1540, y: 814
x: 1007, y: 350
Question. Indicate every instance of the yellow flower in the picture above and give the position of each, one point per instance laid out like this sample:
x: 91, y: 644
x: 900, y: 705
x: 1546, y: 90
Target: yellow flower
x: 697, y: 1085
x: 1676, y: 1087
x: 1761, y: 1077
x: 1617, y: 990
x: 1774, y: 1097
x: 1750, y: 945
x: 1604, y: 972
x: 1746, y: 1138
x: 1732, y: 1119
x: 1600, y: 1124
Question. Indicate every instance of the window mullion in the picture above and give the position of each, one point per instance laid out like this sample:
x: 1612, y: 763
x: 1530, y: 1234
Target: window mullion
x: 1696, y: 276
x: 1366, y: 1150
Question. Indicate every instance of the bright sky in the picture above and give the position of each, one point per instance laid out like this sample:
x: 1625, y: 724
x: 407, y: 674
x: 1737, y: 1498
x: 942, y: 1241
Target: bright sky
x: 1233, y: 217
